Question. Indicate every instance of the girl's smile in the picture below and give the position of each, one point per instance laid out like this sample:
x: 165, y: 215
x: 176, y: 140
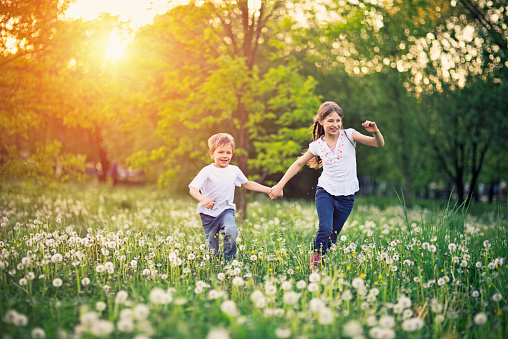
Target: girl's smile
x: 332, y: 123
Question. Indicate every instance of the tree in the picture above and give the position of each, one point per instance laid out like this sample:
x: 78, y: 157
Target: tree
x: 209, y: 81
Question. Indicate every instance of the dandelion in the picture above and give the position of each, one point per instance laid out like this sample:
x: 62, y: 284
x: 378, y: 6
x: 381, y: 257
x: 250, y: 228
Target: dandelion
x: 313, y: 287
x: 404, y: 302
x: 343, y: 238
x: 286, y: 285
x: 140, y: 311
x: 353, y: 329
x: 497, y: 297
x: 134, y: 263
x: 316, y: 304
x: 100, y: 306
x: 283, y: 332
x: 57, y: 282
x: 121, y: 297
x: 191, y: 256
x: 436, y: 306
x: 480, y: 318
x: 413, y: 324
x: 381, y: 333
x: 22, y: 282
x: 85, y: 281
x: 100, y: 268
x: 109, y: 266
x: 106, y: 288
x: 441, y: 282
x: 218, y: 333
x: 452, y: 247
x: 38, y: 333
x: 238, y: 281
x: 387, y: 321
x: 159, y: 296
x: 357, y: 283
x: 347, y: 295
x: 229, y: 307
x: 291, y: 297
x: 125, y: 325
x: 270, y: 289
x: 325, y: 316
x: 301, y: 284
x: 101, y: 328
x: 20, y: 320
x: 314, y: 277
x: 56, y: 258
x: 221, y: 276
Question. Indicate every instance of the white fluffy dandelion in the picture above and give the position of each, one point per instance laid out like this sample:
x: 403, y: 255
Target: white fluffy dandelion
x: 229, y: 307
x: 480, y: 318
x: 57, y: 282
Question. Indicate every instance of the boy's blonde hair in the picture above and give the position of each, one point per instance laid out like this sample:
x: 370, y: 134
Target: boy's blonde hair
x: 220, y: 140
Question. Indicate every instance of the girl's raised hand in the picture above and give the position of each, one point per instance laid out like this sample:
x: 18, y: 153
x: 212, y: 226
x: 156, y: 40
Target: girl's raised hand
x: 370, y: 126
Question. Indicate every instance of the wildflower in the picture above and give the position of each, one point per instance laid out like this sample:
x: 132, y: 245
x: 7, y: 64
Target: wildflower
x: 283, y: 332
x: 270, y: 289
x: 38, y: 333
x: 380, y: 332
x: 218, y: 333
x: 347, y: 295
x: 357, y: 283
x: 413, y: 324
x: 229, y: 307
x: 101, y: 328
x: 353, y: 329
x: 121, y: 297
x: 436, y: 306
x: 140, y: 311
x: 405, y: 302
x: 106, y: 288
x: 100, y: 306
x: 56, y: 258
x: 159, y: 296
x: 221, y: 276
x: 134, y: 263
x: 238, y: 281
x: 22, y: 282
x: 325, y: 316
x: 109, y: 265
x: 291, y: 297
x: 313, y: 287
x: 441, y: 282
x: 343, y: 238
x: 85, y: 281
x: 480, y: 318
x: 316, y: 304
x: 452, y: 247
x: 286, y: 285
x: 314, y: 277
x: 301, y: 284
x: 497, y: 297
x: 253, y: 257
x: 387, y: 321
x: 125, y: 325
x: 475, y: 294
x: 100, y: 268
x: 57, y: 282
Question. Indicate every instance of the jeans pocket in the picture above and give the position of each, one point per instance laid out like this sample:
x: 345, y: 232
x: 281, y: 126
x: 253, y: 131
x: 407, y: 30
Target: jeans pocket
x: 351, y: 197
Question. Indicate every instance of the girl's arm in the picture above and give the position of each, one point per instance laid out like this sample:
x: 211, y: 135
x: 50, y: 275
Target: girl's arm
x: 291, y: 172
x: 376, y: 141
x: 208, y: 203
x: 254, y: 186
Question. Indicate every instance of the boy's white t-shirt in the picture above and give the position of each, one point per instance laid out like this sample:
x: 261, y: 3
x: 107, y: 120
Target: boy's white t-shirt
x: 339, y: 165
x: 219, y: 184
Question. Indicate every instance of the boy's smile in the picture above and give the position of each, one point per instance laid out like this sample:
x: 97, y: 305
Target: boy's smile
x: 222, y: 156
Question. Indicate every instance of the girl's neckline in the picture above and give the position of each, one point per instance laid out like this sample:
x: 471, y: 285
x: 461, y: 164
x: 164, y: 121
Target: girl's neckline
x: 335, y: 147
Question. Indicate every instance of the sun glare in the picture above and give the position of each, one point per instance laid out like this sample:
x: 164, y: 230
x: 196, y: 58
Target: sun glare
x: 116, y: 46
x: 137, y: 12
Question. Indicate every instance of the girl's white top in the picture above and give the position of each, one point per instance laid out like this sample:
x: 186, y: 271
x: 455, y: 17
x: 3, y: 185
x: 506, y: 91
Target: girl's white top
x: 339, y: 165
x: 218, y: 184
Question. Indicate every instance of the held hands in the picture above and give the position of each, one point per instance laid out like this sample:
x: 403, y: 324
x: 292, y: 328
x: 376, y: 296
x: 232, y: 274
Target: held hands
x: 370, y: 126
x: 275, y: 192
x: 208, y: 203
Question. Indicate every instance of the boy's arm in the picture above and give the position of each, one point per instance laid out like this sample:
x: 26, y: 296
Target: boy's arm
x: 254, y: 186
x: 208, y: 203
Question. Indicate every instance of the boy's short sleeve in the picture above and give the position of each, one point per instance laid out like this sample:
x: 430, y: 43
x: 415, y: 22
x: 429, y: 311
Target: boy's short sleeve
x: 199, y: 181
x: 240, y: 178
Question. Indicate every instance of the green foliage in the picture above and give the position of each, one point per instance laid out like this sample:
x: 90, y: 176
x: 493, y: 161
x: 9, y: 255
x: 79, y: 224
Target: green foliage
x: 46, y: 166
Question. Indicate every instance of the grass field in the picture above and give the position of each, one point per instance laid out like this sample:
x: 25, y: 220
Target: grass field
x: 132, y: 263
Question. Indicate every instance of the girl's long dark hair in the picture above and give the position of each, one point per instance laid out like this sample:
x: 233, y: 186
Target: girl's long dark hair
x: 318, y: 130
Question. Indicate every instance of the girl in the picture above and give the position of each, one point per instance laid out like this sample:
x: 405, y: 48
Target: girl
x: 334, y: 149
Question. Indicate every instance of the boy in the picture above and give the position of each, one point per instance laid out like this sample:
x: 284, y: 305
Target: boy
x: 214, y: 188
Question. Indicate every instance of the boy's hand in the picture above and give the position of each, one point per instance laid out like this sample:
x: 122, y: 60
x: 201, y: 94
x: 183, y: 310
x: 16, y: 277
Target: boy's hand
x: 208, y: 203
x: 276, y: 192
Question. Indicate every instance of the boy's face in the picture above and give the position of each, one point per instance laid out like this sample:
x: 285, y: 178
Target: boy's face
x: 222, y: 156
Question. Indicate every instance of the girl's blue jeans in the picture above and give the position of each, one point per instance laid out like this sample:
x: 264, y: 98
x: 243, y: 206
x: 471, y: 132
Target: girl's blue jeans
x: 224, y: 224
x: 333, y: 211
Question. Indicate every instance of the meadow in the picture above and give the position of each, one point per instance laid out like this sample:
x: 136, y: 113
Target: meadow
x: 91, y: 262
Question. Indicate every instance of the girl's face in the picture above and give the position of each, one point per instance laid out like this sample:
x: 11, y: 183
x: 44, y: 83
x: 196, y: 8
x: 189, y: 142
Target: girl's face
x: 222, y: 156
x: 332, y: 123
